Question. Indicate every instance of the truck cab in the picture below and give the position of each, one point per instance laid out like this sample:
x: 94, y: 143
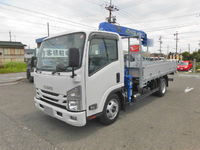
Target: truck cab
x: 77, y: 93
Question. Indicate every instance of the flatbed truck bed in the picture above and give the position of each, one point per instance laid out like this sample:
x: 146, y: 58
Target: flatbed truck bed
x: 151, y: 70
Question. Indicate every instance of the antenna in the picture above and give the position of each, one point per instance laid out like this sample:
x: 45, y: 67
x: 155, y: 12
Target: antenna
x: 10, y: 36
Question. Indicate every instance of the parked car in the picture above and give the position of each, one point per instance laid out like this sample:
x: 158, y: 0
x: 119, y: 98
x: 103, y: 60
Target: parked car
x: 184, y: 66
x: 30, y: 69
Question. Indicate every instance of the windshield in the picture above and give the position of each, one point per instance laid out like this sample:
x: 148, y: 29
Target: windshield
x: 55, y: 51
x: 183, y: 63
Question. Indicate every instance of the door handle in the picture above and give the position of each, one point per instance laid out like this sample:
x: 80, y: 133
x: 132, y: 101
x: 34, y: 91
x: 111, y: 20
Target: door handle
x: 118, y: 77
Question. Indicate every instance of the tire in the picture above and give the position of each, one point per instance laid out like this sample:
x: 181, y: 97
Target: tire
x: 135, y: 88
x: 153, y: 86
x: 111, y: 110
x: 29, y: 77
x: 162, y: 87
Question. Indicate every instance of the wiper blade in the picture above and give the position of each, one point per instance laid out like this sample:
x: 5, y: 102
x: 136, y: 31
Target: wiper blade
x: 60, y: 68
x: 41, y: 68
x: 56, y: 72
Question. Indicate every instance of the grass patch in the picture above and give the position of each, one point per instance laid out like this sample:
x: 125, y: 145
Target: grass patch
x: 13, y: 67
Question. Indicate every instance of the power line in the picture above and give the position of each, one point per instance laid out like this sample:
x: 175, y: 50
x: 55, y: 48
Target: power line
x: 132, y: 3
x: 40, y: 17
x: 171, y: 27
x: 129, y: 16
x: 35, y: 23
x: 173, y: 8
x: 95, y: 2
x: 165, y: 18
x: 83, y: 25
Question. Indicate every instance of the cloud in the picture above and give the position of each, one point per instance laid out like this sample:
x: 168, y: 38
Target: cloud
x: 27, y: 20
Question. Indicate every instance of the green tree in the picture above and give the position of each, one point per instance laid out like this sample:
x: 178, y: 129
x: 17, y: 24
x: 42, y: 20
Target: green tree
x: 199, y: 51
x: 186, y: 56
x: 196, y: 55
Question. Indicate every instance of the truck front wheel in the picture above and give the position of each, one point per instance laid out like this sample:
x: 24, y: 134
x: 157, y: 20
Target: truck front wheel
x: 111, y: 110
x: 162, y: 87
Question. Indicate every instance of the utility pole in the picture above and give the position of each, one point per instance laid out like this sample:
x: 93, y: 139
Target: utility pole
x: 48, y: 28
x: 160, y: 41
x: 176, y: 34
x: 110, y: 8
x: 199, y: 42
x: 167, y: 50
x: 189, y: 48
x: 10, y: 36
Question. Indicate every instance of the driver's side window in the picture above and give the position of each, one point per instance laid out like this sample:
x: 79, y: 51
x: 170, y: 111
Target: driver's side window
x: 101, y: 53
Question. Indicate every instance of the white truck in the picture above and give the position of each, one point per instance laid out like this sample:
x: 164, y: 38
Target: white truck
x: 83, y: 75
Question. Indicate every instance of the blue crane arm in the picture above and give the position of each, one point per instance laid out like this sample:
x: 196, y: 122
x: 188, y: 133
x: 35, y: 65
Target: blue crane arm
x: 123, y: 31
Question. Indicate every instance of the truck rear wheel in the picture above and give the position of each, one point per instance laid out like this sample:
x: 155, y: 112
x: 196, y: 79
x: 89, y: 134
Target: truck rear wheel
x: 153, y: 85
x: 162, y: 87
x: 111, y: 110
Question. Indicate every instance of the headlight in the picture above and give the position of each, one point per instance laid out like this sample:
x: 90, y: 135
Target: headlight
x: 73, y: 105
x: 74, y: 97
x: 37, y: 93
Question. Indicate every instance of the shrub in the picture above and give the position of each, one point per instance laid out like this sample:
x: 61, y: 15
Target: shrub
x: 14, y: 67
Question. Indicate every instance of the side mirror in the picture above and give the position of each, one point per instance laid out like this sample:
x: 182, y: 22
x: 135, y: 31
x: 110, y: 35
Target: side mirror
x: 33, y: 62
x: 73, y: 59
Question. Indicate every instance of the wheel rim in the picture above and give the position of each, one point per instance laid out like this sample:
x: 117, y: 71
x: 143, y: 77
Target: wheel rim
x: 112, y: 109
x: 163, y: 87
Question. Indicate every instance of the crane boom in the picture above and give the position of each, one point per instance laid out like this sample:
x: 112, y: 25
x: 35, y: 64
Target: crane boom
x: 123, y: 31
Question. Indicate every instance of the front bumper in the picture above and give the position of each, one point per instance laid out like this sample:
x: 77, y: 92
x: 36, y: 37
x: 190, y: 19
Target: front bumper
x: 182, y: 69
x: 72, y: 118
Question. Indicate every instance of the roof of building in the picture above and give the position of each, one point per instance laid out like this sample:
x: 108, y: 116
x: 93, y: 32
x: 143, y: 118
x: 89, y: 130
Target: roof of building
x: 12, y: 44
x: 40, y: 40
x: 29, y: 50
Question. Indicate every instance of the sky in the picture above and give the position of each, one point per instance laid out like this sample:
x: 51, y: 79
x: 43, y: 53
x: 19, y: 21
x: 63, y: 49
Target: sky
x: 27, y: 20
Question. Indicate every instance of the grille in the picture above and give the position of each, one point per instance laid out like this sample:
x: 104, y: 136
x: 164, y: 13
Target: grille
x: 50, y: 93
x: 55, y: 100
x: 51, y: 103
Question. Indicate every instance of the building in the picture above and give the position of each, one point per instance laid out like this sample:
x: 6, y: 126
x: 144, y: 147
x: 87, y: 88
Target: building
x: 39, y: 41
x: 28, y: 53
x: 157, y: 55
x: 11, y: 51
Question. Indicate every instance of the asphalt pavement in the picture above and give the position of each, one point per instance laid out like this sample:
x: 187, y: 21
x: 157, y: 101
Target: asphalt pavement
x: 15, y: 77
x: 12, y: 77
x: 153, y: 123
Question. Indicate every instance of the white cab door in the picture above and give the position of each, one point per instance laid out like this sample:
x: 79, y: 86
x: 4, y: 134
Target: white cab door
x: 103, y: 71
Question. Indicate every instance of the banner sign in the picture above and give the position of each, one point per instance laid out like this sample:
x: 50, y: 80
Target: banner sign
x: 134, y: 48
x: 47, y: 52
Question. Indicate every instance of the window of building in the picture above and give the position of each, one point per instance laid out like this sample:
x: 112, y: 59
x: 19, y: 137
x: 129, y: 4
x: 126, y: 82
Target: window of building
x: 19, y: 59
x: 6, y: 60
x: 102, y: 52
x: 17, y: 51
x: 22, y: 51
x: 6, y: 51
x: 12, y: 51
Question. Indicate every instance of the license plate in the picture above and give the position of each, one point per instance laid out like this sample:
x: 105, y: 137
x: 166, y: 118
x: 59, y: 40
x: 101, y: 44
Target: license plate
x: 48, y: 111
x: 181, y: 68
